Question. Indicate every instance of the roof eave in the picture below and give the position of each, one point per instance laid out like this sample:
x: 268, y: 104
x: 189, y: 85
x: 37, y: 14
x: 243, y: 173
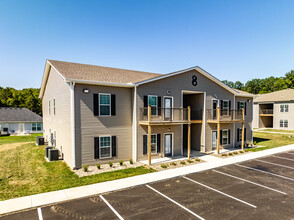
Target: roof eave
x: 90, y: 82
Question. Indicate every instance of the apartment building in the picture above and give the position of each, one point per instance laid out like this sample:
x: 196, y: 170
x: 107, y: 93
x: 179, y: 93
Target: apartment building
x: 100, y: 114
x: 274, y: 110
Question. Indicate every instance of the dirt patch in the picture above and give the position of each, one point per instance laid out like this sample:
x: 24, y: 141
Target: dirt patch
x: 5, y: 147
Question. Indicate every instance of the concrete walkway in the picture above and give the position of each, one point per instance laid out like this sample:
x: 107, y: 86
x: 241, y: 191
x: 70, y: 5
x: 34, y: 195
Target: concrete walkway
x: 99, y: 188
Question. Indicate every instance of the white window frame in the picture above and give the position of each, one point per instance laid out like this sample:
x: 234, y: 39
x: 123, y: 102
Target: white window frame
x: 172, y: 144
x: 110, y: 145
x: 54, y: 111
x: 227, y: 108
x: 282, y: 108
x: 156, y: 113
x: 153, y: 143
x: 286, y: 108
x: 227, y: 137
x: 243, y: 104
x: 36, y: 125
x: 281, y: 123
x: 105, y: 104
x: 49, y: 107
x: 172, y: 107
x: 285, y: 123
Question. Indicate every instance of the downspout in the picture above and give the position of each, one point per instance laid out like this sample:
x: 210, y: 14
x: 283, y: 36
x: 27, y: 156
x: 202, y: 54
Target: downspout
x: 72, y: 118
x: 135, y: 150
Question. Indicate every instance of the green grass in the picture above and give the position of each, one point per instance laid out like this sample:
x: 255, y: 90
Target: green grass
x: 24, y: 171
x: 276, y: 130
x: 269, y: 140
x: 18, y: 139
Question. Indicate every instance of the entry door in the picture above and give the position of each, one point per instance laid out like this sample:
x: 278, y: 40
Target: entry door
x: 168, y: 143
x: 214, y: 140
x: 168, y: 108
x: 214, y: 108
x: 21, y: 127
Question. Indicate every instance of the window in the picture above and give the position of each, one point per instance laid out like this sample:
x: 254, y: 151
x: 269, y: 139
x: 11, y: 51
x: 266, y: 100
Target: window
x: 105, y: 147
x: 286, y: 108
x: 54, y: 135
x: 226, y: 107
x: 286, y: 124
x: 49, y: 107
x: 54, y: 106
x: 242, y: 104
x: 281, y: 108
x: 152, y: 101
x: 281, y: 123
x: 153, y: 143
x: 36, y: 127
x: 225, y: 137
x: 104, y: 104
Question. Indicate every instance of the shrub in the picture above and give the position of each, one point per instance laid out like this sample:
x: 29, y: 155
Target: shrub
x: 197, y: 159
x: 85, y: 167
x: 230, y: 154
x: 235, y: 152
x: 224, y: 155
x: 190, y: 161
x: 241, y: 152
x: 254, y: 143
x: 110, y: 163
x: 173, y: 163
x: 121, y: 162
x: 131, y: 161
x: 246, y: 150
x: 164, y: 166
x: 98, y: 165
x: 183, y: 162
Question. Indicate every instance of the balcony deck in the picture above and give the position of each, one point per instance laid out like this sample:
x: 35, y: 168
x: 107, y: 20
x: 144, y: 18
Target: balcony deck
x: 225, y: 116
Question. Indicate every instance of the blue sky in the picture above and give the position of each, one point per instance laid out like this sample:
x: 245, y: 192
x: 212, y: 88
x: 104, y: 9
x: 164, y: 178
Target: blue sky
x: 233, y: 40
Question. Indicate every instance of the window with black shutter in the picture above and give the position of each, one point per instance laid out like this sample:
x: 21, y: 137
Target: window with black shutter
x: 145, y: 144
x: 113, y: 105
x: 158, y: 143
x: 238, y: 134
x: 245, y: 134
x: 145, y: 104
x: 221, y: 137
x: 113, y: 146
x: 159, y: 105
x: 96, y: 147
x: 96, y: 104
x: 229, y: 136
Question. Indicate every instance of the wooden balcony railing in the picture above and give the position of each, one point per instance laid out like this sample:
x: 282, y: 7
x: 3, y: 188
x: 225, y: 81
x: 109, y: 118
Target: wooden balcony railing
x: 225, y: 115
x: 266, y: 111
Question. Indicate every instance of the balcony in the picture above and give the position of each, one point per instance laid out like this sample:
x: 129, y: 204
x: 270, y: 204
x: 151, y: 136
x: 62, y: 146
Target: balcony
x: 224, y: 115
x: 266, y: 112
x: 169, y: 116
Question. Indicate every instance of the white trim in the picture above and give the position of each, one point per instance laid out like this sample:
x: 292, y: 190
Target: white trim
x: 172, y: 144
x: 212, y: 137
x: 153, y: 143
x: 182, y: 126
x: 172, y: 106
x: 204, y: 121
x: 135, y: 132
x: 223, y: 137
x: 90, y: 82
x: 112, y: 209
x: 72, y: 118
x: 104, y: 104
x: 110, y: 146
x: 56, y: 70
x: 234, y: 126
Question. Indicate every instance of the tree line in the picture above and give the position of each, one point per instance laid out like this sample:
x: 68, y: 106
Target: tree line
x: 266, y: 85
x: 24, y: 98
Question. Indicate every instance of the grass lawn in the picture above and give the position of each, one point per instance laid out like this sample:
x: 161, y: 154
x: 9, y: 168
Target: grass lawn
x: 276, y: 130
x: 18, y: 139
x: 269, y: 140
x: 24, y: 171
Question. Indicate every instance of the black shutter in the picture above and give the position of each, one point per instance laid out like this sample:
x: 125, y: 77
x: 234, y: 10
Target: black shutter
x: 245, y: 108
x: 145, y: 104
x: 96, y: 147
x: 113, y: 146
x: 113, y: 107
x: 158, y: 143
x: 244, y: 135
x: 221, y: 137
x: 222, y: 104
x: 238, y: 105
x: 230, y: 105
x: 229, y: 136
x: 159, y: 105
x: 96, y: 104
x: 238, y: 134
x: 144, y: 144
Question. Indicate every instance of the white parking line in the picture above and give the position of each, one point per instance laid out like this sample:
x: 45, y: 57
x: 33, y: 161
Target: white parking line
x: 276, y: 164
x: 183, y: 207
x: 115, y: 212
x: 251, y: 168
x: 257, y: 184
x: 284, y: 158
x: 232, y: 197
x: 40, y: 213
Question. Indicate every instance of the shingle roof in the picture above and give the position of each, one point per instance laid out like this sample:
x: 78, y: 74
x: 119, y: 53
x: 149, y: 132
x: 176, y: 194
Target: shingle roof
x: 79, y: 71
x: 241, y: 92
x: 278, y: 96
x: 18, y: 115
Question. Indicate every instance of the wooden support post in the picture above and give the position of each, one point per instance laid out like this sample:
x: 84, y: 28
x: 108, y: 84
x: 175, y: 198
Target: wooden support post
x: 189, y: 132
x: 218, y: 129
x: 243, y: 119
x: 149, y: 135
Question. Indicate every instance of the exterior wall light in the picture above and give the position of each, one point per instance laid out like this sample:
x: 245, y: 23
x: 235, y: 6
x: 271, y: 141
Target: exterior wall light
x: 86, y: 91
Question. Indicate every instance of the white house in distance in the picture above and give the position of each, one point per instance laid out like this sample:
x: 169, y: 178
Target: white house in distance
x: 19, y: 121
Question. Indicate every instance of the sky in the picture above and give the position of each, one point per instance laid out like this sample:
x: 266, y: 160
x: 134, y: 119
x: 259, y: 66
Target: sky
x: 232, y: 40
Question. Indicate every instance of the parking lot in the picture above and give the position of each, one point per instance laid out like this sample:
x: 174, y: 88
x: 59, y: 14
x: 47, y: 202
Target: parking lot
x: 256, y: 189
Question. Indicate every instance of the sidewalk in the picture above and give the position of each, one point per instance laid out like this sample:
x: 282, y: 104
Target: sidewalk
x: 99, y: 188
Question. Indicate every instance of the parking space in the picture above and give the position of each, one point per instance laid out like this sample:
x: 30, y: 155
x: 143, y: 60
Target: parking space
x: 256, y: 189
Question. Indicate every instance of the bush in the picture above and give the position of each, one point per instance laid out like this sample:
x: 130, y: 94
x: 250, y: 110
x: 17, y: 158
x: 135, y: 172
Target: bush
x: 241, y: 152
x: 121, y: 162
x: 254, y: 143
x: 98, y: 165
x: 131, y: 161
x: 164, y: 166
x: 230, y: 154
x: 85, y: 167
x: 246, y: 150
x: 110, y: 163
x: 235, y: 152
x: 197, y: 159
x: 224, y: 155
x: 190, y: 161
x: 173, y: 163
x: 183, y: 162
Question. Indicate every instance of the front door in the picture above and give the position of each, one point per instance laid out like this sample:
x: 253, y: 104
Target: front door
x: 214, y: 140
x: 21, y: 127
x: 214, y: 108
x: 168, y: 108
x: 168, y: 142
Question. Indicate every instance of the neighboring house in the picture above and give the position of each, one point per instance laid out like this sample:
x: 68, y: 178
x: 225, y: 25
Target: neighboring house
x: 19, y: 121
x: 99, y: 114
x: 274, y: 110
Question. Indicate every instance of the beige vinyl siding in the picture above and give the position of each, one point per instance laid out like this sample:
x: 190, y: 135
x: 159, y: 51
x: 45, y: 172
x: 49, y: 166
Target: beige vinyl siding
x: 283, y: 115
x: 255, y: 115
x: 176, y: 84
x: 89, y: 126
x: 58, y: 89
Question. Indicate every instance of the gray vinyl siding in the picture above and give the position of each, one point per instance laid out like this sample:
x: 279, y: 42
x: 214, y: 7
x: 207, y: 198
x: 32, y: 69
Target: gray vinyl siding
x: 89, y: 126
x: 57, y: 88
x: 176, y: 84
